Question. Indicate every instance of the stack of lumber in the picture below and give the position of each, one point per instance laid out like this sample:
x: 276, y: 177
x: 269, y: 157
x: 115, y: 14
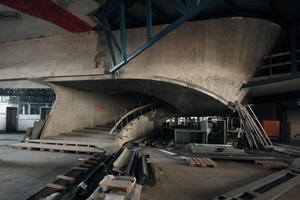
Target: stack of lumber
x: 201, y: 162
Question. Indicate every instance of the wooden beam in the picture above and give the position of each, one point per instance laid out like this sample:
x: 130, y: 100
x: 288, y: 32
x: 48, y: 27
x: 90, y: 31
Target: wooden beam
x: 56, y: 186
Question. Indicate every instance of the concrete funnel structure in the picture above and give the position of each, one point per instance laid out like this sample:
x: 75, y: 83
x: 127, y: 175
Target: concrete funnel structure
x: 197, y: 70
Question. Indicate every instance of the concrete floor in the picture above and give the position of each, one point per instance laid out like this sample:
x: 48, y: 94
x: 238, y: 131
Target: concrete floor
x: 23, y: 173
x: 180, y: 181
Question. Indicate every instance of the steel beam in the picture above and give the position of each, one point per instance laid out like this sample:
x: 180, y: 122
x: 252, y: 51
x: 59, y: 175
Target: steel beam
x: 188, y: 10
x: 268, y: 81
x: 158, y: 11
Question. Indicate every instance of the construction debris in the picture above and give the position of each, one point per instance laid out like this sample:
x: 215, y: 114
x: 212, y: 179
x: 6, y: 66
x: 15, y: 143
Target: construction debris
x: 57, y: 148
x: 295, y: 166
x: 171, y: 155
x: 269, y: 187
x: 125, y: 183
x: 121, y: 175
x: 272, y: 164
x: 157, y: 172
x: 227, y: 152
x: 288, y: 151
x: 256, y: 136
x: 215, y: 149
x: 201, y: 162
x: 116, y: 194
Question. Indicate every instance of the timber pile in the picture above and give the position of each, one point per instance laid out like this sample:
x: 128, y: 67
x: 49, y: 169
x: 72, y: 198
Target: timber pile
x: 63, y: 181
x: 63, y: 142
x: 272, y: 164
x: 90, y: 177
x: 65, y: 146
x: 57, y: 148
x: 201, y: 162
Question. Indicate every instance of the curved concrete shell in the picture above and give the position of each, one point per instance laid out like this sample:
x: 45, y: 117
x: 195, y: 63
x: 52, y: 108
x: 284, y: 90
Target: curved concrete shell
x: 216, y: 55
x: 197, y: 69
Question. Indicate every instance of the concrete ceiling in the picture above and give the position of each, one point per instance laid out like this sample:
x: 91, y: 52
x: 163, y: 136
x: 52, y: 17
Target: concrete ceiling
x: 188, y: 101
x: 35, y: 18
x: 45, y: 18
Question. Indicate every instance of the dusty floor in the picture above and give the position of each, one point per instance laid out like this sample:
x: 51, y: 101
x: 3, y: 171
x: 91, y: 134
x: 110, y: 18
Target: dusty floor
x: 23, y: 173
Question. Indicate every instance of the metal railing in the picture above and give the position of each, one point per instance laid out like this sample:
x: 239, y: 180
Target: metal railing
x: 136, y: 112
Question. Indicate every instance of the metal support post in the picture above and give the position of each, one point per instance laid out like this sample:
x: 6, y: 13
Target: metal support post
x: 293, y: 51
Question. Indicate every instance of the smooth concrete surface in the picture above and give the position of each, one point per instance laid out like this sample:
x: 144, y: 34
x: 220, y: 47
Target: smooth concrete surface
x: 217, y: 54
x: 197, y: 69
x: 186, y: 98
x: 63, y: 55
x: 23, y: 173
x: 76, y: 109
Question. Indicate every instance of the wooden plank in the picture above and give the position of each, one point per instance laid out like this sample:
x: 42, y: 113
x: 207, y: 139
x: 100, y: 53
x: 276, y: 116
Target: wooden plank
x: 56, y: 186
x: 58, y: 147
x: 62, y: 142
x: 157, y: 171
x: 210, y: 162
x: 81, y: 168
x: 87, y: 161
x: 272, y: 164
x: 201, y: 162
x: 191, y: 161
x: 85, y: 165
x: 94, y: 158
x: 67, y: 178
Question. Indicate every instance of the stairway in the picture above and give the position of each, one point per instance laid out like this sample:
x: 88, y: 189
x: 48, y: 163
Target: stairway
x: 88, y: 139
x: 98, y: 134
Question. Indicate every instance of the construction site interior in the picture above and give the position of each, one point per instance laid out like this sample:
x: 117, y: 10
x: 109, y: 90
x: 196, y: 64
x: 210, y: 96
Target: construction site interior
x: 149, y: 100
